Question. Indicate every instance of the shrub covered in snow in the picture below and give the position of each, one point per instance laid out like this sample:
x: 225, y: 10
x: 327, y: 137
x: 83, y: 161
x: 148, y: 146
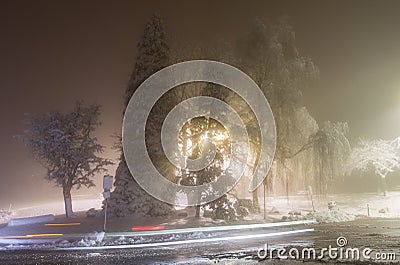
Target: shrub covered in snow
x: 5, y: 216
x: 92, y: 212
x: 332, y: 216
x: 227, y: 208
x: 128, y: 198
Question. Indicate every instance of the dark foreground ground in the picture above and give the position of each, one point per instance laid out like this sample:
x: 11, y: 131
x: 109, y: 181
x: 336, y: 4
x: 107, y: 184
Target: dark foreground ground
x: 381, y: 236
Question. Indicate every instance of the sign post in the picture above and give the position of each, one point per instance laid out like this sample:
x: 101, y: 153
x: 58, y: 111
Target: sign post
x: 107, y: 185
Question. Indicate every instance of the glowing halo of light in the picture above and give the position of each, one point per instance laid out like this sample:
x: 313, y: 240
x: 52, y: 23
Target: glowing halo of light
x: 221, y: 112
x: 151, y: 90
x: 230, y: 120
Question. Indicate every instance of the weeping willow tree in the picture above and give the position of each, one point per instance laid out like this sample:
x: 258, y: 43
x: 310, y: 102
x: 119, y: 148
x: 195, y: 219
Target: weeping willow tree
x: 331, y: 150
x: 269, y: 54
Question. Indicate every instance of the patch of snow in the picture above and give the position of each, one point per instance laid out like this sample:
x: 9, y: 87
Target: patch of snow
x: 57, y: 207
x: 332, y: 216
x: 86, y: 243
x: 95, y: 236
x: 5, y: 216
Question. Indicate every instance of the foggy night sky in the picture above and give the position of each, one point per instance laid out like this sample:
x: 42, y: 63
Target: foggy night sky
x: 53, y: 53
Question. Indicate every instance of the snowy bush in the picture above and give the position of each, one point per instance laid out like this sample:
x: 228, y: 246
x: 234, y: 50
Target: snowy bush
x: 86, y: 243
x: 226, y: 208
x: 332, y: 216
x: 92, y: 212
x: 95, y: 236
x: 5, y: 216
x: 128, y: 198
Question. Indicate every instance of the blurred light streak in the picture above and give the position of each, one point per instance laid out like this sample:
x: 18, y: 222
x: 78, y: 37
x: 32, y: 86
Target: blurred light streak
x: 64, y: 224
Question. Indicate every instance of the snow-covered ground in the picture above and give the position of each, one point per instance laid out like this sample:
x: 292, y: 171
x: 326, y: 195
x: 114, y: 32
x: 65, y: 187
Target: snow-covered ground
x: 348, y: 206
x: 81, y: 203
x: 55, y: 207
x: 276, y: 207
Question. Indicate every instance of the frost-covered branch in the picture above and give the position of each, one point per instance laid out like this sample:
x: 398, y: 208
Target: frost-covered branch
x: 381, y: 155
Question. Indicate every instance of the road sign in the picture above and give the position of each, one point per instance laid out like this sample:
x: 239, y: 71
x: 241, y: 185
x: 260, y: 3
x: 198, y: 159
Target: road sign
x: 107, y: 182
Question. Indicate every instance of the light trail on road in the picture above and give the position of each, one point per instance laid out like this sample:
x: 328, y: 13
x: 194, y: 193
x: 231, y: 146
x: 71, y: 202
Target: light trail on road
x: 210, y: 228
x: 63, y: 224
x: 190, y: 241
x: 31, y: 236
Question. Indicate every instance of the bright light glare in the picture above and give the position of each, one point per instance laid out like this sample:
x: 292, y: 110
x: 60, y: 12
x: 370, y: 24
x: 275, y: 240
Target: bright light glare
x: 220, y: 137
x: 204, y: 136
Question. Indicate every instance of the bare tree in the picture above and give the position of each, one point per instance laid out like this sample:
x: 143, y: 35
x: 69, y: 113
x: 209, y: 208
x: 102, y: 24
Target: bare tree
x: 64, y: 144
x: 383, y: 156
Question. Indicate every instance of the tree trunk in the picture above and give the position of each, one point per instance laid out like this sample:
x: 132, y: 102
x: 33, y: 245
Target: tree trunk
x: 287, y: 187
x: 265, y: 194
x: 197, y: 211
x: 256, y: 204
x: 68, y: 202
x: 384, y: 186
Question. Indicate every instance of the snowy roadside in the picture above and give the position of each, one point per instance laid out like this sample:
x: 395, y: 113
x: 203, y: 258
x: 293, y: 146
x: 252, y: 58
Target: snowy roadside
x: 98, y: 239
x: 276, y: 207
x: 347, y: 208
x: 80, y: 204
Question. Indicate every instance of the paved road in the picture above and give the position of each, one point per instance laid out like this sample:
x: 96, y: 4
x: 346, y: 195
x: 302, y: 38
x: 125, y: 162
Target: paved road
x: 380, y: 235
x: 239, y: 246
